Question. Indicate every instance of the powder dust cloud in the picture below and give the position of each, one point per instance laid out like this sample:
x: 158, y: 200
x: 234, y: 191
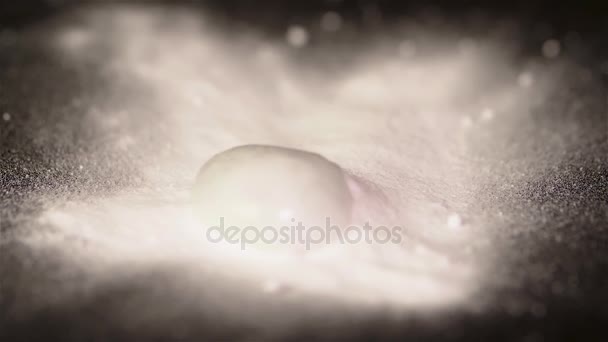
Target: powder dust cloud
x: 422, y: 114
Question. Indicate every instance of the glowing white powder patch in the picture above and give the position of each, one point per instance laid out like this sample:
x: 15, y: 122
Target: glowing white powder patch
x: 140, y: 230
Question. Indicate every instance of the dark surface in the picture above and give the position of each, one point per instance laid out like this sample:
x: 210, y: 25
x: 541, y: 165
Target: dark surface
x: 565, y: 203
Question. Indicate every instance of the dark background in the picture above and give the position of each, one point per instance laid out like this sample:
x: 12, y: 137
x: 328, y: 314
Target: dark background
x: 585, y: 15
x: 540, y: 19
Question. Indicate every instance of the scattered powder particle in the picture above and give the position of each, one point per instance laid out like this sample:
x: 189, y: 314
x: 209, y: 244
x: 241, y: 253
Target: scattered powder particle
x: 525, y: 80
x: 487, y: 114
x: 466, y: 121
x: 551, y: 48
x: 272, y: 286
x: 297, y: 36
x: 331, y: 21
x: 454, y: 221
